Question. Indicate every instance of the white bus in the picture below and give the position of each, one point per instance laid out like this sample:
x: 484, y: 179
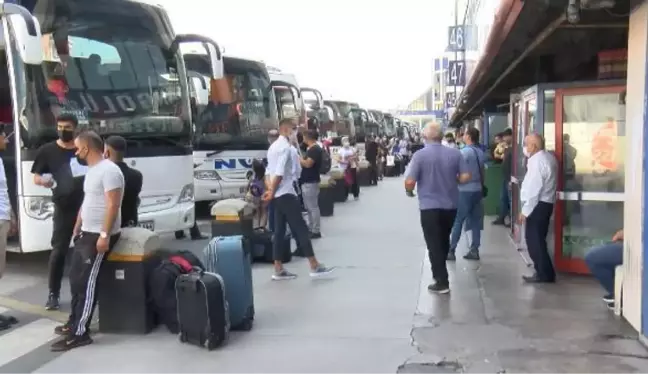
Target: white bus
x: 116, y: 65
x: 232, y: 119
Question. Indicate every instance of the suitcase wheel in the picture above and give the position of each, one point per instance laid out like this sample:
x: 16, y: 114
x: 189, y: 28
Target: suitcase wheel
x: 246, y: 325
x: 183, y: 337
x: 210, y: 344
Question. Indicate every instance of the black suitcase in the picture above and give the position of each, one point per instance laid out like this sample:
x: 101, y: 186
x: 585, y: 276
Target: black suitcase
x: 262, y: 242
x: 203, y: 313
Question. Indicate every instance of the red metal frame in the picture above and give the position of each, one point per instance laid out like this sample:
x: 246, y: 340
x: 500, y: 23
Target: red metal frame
x: 563, y: 264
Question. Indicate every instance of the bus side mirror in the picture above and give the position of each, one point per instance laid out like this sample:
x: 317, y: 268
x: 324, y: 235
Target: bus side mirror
x: 26, y: 32
x: 213, y: 51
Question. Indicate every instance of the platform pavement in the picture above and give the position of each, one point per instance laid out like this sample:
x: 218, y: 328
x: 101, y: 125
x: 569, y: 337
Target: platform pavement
x: 359, y: 320
x: 492, y: 322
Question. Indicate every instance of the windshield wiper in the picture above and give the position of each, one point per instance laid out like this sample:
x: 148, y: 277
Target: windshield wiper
x: 162, y: 138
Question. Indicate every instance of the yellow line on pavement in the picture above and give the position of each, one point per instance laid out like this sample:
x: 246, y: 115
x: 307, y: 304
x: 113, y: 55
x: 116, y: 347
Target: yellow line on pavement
x: 38, y: 310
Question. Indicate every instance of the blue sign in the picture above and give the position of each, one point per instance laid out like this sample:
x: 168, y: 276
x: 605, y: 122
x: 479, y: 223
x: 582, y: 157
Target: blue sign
x: 462, y: 38
x: 235, y: 163
x: 457, y: 73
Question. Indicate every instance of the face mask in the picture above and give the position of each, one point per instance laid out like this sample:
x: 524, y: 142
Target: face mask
x: 527, y: 154
x: 66, y: 135
x: 81, y: 160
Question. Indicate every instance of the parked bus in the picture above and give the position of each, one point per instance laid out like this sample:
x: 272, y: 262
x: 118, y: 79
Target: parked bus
x: 379, y: 119
x: 115, y: 65
x: 390, y: 127
x: 231, y: 126
x: 344, y: 123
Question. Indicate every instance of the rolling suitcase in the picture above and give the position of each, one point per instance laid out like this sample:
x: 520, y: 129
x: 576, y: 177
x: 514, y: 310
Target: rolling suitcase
x: 203, y: 315
x: 262, y: 244
x: 229, y: 256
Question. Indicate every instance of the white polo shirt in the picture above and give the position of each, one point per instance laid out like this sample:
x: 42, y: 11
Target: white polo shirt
x: 280, y: 155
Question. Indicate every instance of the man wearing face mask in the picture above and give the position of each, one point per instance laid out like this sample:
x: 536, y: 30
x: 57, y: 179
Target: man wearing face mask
x: 114, y: 150
x: 280, y: 190
x: 56, y: 167
x: 538, y: 194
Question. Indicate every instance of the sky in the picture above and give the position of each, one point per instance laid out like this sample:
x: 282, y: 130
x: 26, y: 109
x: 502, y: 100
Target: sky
x: 376, y: 53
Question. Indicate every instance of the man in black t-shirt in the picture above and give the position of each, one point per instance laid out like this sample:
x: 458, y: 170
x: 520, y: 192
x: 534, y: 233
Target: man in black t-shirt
x: 371, y: 154
x: 114, y: 150
x: 56, y: 167
x: 310, y: 180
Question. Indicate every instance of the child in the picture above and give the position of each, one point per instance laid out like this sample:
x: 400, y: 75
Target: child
x: 255, y: 190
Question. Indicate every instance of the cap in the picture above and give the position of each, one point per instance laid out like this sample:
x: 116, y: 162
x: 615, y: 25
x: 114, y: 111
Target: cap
x: 116, y: 142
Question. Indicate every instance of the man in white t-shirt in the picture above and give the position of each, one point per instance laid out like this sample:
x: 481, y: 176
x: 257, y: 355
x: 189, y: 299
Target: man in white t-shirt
x: 7, y: 226
x: 96, y: 231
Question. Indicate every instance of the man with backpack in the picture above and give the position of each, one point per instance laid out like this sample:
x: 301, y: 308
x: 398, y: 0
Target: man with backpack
x: 312, y: 164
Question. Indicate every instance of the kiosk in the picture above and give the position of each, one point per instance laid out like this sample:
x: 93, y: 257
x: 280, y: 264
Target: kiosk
x: 583, y: 124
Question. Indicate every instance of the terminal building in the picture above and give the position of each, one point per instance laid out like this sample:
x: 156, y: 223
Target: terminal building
x: 575, y: 72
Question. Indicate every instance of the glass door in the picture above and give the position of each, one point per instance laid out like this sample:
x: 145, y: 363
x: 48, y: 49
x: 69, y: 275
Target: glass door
x: 590, y: 138
x: 526, y: 124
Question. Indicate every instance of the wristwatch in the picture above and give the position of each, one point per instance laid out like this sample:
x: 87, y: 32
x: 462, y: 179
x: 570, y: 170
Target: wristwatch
x: 103, y: 235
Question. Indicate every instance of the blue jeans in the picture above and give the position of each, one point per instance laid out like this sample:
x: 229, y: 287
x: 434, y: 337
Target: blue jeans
x: 471, y: 211
x: 505, y: 201
x: 602, y: 261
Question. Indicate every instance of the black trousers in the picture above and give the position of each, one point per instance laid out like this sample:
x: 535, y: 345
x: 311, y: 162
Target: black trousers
x: 84, y: 273
x: 536, y: 230
x: 437, y: 226
x: 287, y: 211
x: 63, y: 220
x: 354, y: 188
x: 373, y: 172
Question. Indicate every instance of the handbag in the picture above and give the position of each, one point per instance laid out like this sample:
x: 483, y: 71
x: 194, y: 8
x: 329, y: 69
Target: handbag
x: 348, y: 177
x: 481, y: 176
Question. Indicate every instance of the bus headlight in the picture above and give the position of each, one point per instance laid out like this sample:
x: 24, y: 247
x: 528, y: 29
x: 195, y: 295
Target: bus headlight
x: 207, y: 175
x: 187, y: 194
x: 40, y: 208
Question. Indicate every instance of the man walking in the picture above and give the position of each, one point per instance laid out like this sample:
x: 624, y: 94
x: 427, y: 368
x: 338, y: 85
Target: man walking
x: 470, y: 209
x: 310, y: 180
x: 56, y: 167
x: 437, y: 170
x: 538, y: 194
x: 286, y: 207
x: 114, y: 150
x: 96, y: 231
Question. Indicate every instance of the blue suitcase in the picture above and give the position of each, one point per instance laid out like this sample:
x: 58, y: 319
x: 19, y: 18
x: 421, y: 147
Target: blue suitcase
x: 230, y: 257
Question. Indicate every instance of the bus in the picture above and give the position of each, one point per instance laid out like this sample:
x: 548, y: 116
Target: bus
x: 379, y: 119
x: 289, y: 100
x: 115, y: 65
x: 364, y: 124
x: 344, y: 123
x: 390, y: 126
x: 232, y: 119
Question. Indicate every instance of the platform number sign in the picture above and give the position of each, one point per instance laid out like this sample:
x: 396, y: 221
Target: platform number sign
x: 456, y: 38
x: 457, y: 73
x: 450, y: 99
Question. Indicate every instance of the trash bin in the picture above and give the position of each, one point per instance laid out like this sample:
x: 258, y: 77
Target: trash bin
x: 327, y: 196
x: 339, y: 188
x: 493, y: 180
x: 362, y: 174
x: 232, y: 217
x: 123, y: 284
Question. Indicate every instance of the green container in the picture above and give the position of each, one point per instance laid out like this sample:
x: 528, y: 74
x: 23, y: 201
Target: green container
x: 493, y: 179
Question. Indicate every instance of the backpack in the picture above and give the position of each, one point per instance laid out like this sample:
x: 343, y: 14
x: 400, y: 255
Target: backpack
x: 161, y: 284
x: 325, y: 166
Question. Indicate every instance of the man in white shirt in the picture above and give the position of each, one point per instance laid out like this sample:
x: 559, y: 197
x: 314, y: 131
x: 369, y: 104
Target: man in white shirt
x: 7, y: 225
x: 280, y: 177
x: 538, y: 195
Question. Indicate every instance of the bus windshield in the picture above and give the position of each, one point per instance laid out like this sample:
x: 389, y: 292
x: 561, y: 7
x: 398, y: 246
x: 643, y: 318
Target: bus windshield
x: 344, y: 107
x: 112, y: 67
x: 244, y: 122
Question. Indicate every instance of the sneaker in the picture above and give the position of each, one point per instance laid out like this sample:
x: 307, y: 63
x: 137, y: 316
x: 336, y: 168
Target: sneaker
x: 283, y: 275
x: 52, y: 302
x: 472, y: 255
x: 321, y: 270
x: 316, y: 235
x: 610, y: 304
x: 452, y: 256
x: 608, y: 298
x: 63, y: 330
x: 8, y: 319
x: 439, y: 288
x: 71, y: 342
